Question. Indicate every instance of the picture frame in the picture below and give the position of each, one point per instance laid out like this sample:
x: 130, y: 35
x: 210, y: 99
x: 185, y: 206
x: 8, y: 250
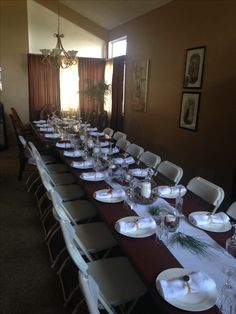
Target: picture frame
x: 194, y: 65
x: 189, y: 110
x: 139, y: 88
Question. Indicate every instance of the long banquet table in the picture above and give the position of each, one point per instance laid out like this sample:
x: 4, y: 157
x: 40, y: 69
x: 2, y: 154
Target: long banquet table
x: 148, y: 255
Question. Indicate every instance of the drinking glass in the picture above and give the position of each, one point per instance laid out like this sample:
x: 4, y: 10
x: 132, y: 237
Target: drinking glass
x: 230, y: 243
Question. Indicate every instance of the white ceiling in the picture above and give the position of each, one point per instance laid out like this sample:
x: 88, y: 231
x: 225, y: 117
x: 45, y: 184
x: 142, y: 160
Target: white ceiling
x: 111, y: 13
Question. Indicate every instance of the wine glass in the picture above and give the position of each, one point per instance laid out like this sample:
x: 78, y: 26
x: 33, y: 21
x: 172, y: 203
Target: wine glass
x: 162, y: 230
x: 230, y: 243
x: 228, y: 292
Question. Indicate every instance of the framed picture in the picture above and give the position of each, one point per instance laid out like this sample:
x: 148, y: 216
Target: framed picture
x: 139, y: 85
x: 194, y: 67
x: 189, y: 111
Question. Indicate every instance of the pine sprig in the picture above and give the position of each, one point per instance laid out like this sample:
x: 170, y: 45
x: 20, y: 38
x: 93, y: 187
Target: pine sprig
x: 194, y: 245
x: 156, y: 210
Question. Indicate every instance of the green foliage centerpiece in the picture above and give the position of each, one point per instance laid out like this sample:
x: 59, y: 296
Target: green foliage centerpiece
x: 193, y: 244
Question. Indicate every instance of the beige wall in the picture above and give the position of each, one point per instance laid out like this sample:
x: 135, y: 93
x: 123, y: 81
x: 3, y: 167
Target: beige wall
x: 162, y: 36
x: 13, y: 60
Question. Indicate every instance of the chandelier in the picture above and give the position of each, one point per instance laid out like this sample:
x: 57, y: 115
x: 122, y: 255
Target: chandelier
x: 59, y: 57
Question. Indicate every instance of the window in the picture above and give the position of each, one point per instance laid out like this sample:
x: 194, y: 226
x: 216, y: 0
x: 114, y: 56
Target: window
x: 117, y: 47
x: 69, y: 88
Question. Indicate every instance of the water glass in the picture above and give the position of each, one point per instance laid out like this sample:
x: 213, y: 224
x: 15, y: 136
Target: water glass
x: 162, y: 231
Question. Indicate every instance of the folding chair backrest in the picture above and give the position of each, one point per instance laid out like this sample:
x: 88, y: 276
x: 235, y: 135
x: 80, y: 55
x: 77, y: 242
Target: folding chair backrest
x: 171, y: 171
x: 118, y: 135
x: 69, y: 236
x: 134, y: 150
x: 232, y: 210
x: 123, y: 144
x: 206, y: 190
x: 93, y: 295
x: 108, y: 131
x: 58, y: 206
x: 150, y: 159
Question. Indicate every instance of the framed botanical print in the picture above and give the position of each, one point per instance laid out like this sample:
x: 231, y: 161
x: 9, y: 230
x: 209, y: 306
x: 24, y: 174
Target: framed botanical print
x: 193, y: 73
x: 189, y: 111
x: 140, y: 85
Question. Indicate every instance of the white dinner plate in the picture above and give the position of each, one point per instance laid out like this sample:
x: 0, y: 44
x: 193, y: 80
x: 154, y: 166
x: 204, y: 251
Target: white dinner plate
x: 108, y: 200
x: 81, y: 166
x: 92, y: 179
x: 141, y: 233
x: 213, y: 227
x: 192, y: 301
x: 172, y: 194
x: 138, y: 175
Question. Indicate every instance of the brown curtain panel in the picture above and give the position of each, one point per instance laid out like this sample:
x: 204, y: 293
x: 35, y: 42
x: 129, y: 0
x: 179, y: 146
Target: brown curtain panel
x: 116, y: 122
x: 44, y: 87
x: 91, y: 71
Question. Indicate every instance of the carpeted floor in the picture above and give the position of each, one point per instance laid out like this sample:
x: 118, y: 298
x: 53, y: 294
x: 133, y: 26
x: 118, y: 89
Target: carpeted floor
x: 27, y: 283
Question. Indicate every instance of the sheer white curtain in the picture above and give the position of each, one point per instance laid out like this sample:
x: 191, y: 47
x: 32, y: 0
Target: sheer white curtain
x: 69, y: 88
x: 108, y: 80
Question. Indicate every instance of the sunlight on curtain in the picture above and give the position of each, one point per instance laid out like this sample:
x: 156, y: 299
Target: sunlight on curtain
x: 69, y: 88
x: 108, y: 80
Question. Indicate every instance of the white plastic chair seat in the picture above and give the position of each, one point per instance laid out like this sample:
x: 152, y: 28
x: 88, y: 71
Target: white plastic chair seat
x: 117, y: 280
x: 150, y: 159
x: 56, y: 168
x: 208, y: 191
x: 95, y: 236
x: 232, y: 210
x: 80, y: 210
x: 134, y: 150
x: 70, y: 192
x: 62, y: 178
x: 122, y: 144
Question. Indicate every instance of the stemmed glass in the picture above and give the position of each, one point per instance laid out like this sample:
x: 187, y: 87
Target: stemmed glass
x: 230, y: 244
x: 227, y: 296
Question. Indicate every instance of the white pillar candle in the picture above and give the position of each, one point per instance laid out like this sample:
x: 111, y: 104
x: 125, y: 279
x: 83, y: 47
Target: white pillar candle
x: 146, y: 189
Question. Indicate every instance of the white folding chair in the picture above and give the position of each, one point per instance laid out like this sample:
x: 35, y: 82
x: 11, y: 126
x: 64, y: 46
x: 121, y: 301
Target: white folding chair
x: 171, y: 171
x: 93, y: 237
x: 108, y: 131
x: 134, y: 150
x: 150, y: 159
x: 122, y: 144
x: 206, y: 190
x: 118, y: 135
x: 117, y: 283
x: 231, y: 211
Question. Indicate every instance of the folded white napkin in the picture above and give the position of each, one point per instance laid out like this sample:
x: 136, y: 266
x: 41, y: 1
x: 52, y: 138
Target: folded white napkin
x: 109, y: 194
x: 82, y: 164
x: 52, y: 135
x: 75, y: 153
x: 40, y: 121
x: 96, y: 133
x: 119, y: 160
x: 174, y: 288
x: 133, y: 226
x: 46, y: 129
x: 172, y: 191
x: 138, y: 172
x: 104, y: 144
x: 42, y: 125
x: 106, y: 150
x: 85, y: 124
x: 92, y: 129
x: 206, y: 218
x: 64, y: 145
x: 92, y: 175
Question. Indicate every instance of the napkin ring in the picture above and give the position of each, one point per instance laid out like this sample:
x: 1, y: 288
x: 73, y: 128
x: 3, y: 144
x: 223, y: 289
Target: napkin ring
x: 186, y: 281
